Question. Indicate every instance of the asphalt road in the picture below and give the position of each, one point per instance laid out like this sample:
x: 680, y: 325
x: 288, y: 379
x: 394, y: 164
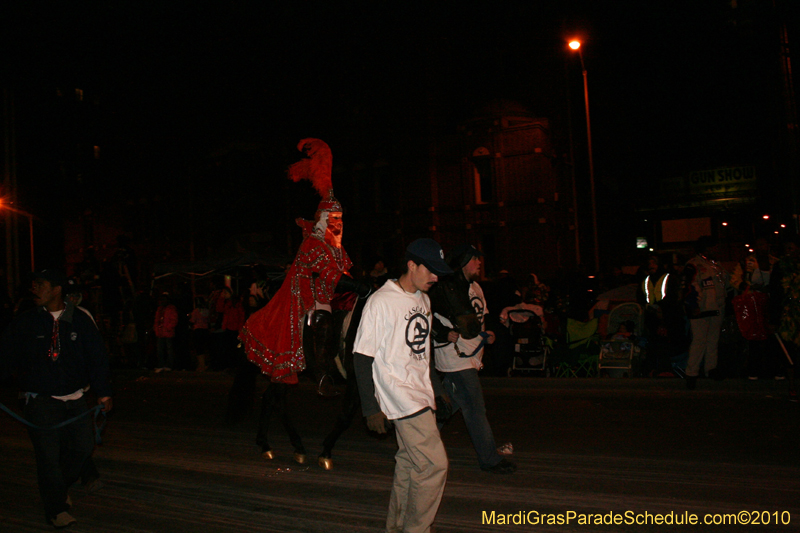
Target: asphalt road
x: 631, y: 450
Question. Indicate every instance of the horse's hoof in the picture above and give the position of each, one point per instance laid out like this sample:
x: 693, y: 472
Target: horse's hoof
x: 269, y: 455
x: 300, y: 458
x: 325, y: 387
x: 326, y: 463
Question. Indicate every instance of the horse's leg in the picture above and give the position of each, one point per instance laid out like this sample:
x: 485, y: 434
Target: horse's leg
x: 294, y: 436
x: 268, y: 403
x: 243, y: 391
x: 350, y: 405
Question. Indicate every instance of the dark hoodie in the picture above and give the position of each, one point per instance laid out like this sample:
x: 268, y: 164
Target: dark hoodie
x: 83, y: 359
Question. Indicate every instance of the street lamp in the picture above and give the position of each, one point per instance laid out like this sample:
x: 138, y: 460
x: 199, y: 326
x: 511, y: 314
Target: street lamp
x: 576, y: 45
x: 5, y: 205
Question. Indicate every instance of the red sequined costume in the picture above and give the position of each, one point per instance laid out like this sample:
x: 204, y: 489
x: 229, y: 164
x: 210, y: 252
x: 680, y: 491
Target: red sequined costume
x: 272, y: 337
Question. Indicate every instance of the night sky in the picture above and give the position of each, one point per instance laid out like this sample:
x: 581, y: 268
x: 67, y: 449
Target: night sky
x: 674, y: 86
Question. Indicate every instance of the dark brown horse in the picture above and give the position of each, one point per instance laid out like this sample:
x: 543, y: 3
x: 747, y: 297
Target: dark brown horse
x: 274, y: 400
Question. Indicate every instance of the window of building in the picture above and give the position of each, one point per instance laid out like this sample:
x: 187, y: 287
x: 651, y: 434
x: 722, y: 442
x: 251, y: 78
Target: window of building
x: 483, y: 176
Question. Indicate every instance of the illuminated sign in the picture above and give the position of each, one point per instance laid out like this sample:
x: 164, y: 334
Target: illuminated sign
x: 722, y: 180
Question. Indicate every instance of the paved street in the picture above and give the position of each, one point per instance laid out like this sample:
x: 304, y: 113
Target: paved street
x: 583, y: 446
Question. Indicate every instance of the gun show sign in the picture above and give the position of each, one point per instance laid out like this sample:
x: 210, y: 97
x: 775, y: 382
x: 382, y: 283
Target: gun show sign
x: 730, y: 180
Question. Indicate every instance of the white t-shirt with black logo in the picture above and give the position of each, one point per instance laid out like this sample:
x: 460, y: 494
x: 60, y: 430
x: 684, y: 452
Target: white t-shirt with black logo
x: 447, y: 358
x: 395, y: 330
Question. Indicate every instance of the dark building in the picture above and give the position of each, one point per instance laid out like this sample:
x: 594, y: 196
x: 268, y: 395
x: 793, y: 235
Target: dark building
x: 494, y: 182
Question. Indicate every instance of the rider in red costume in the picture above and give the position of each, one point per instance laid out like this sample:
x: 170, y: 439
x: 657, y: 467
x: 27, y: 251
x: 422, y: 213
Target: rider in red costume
x: 273, y: 336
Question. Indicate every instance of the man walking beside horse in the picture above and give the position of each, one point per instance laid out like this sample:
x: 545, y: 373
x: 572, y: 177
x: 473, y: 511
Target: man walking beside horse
x: 459, y: 335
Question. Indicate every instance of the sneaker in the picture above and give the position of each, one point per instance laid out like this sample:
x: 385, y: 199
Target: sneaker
x: 63, y: 520
x: 754, y: 378
x: 503, y: 467
x: 792, y: 396
x: 780, y: 378
x: 158, y: 370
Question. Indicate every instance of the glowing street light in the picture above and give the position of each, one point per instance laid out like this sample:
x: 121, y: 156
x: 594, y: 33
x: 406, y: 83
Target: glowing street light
x: 7, y: 206
x: 576, y: 45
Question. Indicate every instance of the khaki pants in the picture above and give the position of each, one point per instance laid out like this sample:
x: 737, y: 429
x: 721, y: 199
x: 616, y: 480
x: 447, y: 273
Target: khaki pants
x: 419, y: 475
x: 705, y: 341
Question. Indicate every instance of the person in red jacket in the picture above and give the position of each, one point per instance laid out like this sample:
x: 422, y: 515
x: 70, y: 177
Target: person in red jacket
x: 164, y: 327
x: 232, y: 323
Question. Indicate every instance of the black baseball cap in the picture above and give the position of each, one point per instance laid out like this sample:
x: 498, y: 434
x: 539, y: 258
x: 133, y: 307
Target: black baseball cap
x: 56, y: 277
x: 462, y: 254
x: 428, y: 252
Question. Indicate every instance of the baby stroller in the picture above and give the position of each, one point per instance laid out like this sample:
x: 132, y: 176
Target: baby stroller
x: 530, y: 345
x: 620, y: 356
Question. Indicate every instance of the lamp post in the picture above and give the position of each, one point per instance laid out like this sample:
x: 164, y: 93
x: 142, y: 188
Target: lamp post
x: 576, y: 45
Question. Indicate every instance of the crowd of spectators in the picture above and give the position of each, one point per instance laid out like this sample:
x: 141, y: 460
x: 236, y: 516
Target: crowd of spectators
x: 171, y: 324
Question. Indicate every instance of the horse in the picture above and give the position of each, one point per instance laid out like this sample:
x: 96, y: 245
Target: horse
x: 452, y: 302
x: 274, y: 399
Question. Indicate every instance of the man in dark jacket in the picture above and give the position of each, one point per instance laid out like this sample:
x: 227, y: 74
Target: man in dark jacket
x: 459, y: 310
x: 56, y: 353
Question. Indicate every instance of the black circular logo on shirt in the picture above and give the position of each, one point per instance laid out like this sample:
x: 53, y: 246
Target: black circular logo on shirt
x: 417, y: 329
x: 477, y: 305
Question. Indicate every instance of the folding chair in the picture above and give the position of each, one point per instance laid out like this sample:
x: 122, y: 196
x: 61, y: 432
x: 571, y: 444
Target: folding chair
x: 583, y: 348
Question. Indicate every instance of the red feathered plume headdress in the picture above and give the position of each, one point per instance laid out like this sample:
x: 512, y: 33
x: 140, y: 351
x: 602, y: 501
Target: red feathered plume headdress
x: 317, y: 169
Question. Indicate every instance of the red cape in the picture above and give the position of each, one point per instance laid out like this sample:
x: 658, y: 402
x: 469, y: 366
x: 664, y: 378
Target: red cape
x: 272, y: 336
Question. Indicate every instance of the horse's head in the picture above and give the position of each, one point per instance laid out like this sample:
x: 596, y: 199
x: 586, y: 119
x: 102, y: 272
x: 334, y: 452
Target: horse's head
x: 468, y: 326
x: 457, y: 307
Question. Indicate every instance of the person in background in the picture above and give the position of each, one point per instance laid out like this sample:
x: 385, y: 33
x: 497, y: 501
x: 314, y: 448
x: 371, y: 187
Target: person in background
x: 216, y: 335
x: 459, y: 353
x: 164, y: 327
x: 199, y: 321
x: 232, y: 322
x: 784, y: 287
x: 753, y: 274
x: 90, y: 476
x: 707, y: 284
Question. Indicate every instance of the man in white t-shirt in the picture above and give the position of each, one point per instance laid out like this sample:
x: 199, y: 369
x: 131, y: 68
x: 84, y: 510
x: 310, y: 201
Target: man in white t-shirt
x: 459, y: 342
x: 392, y: 356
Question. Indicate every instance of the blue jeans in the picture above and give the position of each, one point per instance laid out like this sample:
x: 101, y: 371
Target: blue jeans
x: 60, y: 454
x: 464, y: 389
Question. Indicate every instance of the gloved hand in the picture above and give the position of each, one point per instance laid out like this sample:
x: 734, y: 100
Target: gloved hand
x: 377, y: 422
x: 348, y: 284
x: 106, y: 402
